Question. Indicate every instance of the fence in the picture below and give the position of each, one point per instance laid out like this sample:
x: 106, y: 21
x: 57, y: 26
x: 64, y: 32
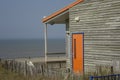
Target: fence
x: 55, y: 71
x: 38, y: 68
x: 107, y: 77
x: 51, y: 71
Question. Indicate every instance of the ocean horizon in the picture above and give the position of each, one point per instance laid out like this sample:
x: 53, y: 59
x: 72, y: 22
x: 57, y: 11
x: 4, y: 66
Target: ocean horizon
x: 21, y: 48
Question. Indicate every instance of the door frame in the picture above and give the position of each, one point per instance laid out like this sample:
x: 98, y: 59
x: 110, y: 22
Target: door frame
x: 72, y: 48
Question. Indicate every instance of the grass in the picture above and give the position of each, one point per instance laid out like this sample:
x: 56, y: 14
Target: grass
x: 8, y: 75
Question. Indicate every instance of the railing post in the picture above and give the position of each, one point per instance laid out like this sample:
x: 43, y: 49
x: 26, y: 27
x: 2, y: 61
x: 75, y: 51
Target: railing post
x: 91, y: 78
x: 118, y: 76
x: 45, y: 36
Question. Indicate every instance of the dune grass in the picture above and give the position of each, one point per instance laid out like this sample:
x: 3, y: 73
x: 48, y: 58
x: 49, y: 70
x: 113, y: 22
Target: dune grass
x: 8, y: 75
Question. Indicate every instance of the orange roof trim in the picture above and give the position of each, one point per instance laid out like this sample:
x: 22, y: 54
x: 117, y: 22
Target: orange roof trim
x: 61, y: 11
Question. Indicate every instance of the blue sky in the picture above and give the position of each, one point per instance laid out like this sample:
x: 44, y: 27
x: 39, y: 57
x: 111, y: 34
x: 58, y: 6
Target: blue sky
x: 22, y: 18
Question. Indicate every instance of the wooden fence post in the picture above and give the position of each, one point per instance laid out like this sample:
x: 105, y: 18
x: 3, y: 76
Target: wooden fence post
x: 6, y: 64
x: 112, y: 72
x: 60, y: 65
x: 0, y: 60
x: 25, y: 68
x: 42, y: 70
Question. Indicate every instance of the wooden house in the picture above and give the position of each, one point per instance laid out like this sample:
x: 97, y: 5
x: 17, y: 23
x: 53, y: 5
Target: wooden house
x: 92, y: 33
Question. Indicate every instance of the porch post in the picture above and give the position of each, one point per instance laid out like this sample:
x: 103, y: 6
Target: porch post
x: 45, y: 36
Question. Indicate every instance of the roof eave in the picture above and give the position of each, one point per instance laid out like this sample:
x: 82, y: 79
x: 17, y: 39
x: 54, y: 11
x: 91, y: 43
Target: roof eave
x: 59, y: 19
x: 44, y: 20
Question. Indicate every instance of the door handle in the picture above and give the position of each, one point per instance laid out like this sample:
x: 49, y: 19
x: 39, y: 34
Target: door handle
x: 74, y: 48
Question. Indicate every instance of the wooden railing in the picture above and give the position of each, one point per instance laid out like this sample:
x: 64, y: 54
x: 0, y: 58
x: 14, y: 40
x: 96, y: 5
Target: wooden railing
x: 107, y: 77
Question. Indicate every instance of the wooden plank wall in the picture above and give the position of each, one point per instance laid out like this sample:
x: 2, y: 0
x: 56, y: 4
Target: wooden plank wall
x: 100, y: 22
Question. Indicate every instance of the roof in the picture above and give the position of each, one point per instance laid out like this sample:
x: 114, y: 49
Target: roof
x: 61, y: 11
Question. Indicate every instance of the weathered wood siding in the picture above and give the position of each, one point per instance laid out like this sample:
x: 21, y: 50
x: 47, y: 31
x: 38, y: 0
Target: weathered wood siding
x: 100, y: 22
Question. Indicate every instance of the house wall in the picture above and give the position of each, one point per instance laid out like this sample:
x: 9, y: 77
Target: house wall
x: 100, y: 22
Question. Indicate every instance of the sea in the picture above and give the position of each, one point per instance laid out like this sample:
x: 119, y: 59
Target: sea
x: 24, y: 48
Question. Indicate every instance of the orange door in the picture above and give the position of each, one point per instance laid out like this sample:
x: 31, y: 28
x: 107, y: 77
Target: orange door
x: 77, y: 50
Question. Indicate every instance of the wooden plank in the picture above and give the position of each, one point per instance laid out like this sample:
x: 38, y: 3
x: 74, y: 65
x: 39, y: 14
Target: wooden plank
x: 100, y: 22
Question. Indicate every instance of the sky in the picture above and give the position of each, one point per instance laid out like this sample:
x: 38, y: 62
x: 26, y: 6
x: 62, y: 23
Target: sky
x: 22, y: 18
